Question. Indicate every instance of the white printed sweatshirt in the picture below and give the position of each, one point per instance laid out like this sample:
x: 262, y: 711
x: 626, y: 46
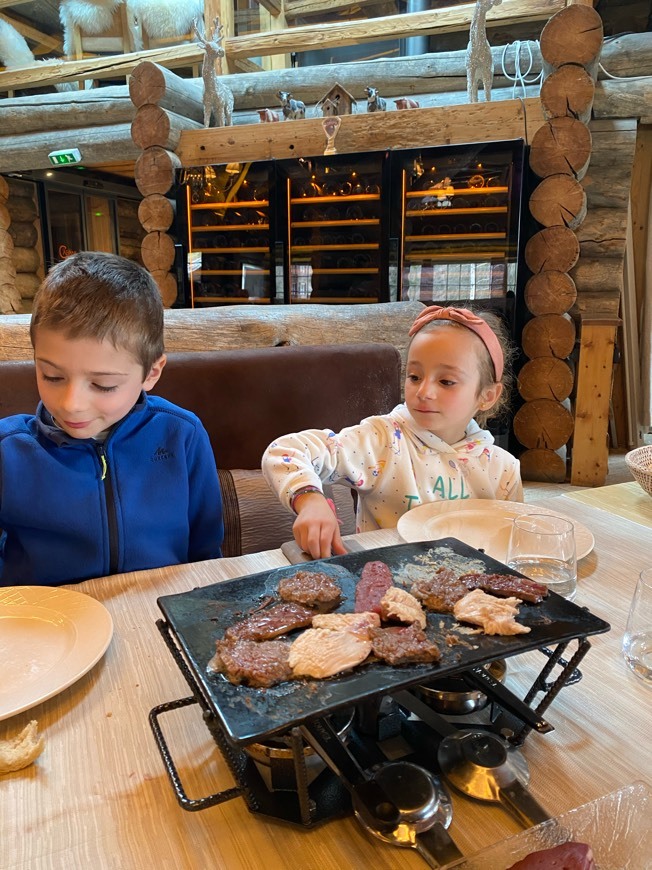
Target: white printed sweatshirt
x: 394, y: 465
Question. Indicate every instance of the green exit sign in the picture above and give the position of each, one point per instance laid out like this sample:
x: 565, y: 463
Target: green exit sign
x: 65, y: 158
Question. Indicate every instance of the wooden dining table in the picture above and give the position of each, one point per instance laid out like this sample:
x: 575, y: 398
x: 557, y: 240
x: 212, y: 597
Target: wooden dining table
x: 99, y: 796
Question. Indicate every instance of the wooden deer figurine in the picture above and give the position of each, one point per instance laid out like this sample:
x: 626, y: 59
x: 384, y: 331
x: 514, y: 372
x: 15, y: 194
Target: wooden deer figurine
x: 218, y: 97
x: 479, y: 61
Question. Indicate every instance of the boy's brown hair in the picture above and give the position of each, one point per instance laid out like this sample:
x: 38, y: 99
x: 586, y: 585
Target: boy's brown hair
x: 105, y: 297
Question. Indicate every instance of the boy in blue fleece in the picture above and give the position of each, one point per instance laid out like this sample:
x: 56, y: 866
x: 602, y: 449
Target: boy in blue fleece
x: 103, y: 478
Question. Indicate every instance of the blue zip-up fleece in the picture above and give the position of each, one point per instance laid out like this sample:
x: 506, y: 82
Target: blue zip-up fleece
x: 71, y: 509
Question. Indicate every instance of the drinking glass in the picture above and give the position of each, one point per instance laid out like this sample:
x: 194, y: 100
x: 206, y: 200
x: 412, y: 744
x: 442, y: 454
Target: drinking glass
x: 542, y: 547
x: 637, y: 641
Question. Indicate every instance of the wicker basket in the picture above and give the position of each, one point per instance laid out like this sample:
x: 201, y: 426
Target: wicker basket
x: 639, y: 462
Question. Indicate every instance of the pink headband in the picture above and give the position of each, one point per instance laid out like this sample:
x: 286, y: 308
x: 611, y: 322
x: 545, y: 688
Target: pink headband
x: 471, y: 321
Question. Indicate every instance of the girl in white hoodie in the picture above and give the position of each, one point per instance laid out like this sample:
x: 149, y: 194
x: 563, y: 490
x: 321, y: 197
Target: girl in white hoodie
x: 428, y: 449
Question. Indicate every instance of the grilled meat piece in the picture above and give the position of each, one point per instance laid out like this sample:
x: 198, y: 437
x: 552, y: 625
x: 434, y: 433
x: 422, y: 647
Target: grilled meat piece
x: 271, y: 622
x: 403, y: 645
x: 312, y: 589
x: 358, y: 623
x: 506, y: 585
x: 494, y: 615
x: 259, y: 665
x: 375, y: 579
x: 398, y: 605
x: 440, y: 591
x: 321, y: 653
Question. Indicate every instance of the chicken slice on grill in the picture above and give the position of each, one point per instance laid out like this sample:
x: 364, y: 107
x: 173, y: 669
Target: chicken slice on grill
x: 358, y: 623
x: 321, y: 653
x: 494, y: 615
x: 398, y: 605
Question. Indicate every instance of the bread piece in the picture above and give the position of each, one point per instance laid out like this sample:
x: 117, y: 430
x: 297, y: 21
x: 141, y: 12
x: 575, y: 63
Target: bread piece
x: 22, y: 750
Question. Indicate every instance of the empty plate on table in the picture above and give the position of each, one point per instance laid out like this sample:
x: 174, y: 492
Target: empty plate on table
x: 481, y: 523
x: 49, y: 638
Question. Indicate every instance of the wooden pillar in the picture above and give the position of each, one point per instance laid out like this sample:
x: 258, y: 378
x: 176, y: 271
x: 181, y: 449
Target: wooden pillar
x: 590, y: 454
x: 559, y: 155
x: 159, y: 95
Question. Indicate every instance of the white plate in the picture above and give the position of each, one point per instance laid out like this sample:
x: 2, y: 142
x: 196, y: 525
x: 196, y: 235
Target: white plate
x: 49, y: 638
x: 481, y: 523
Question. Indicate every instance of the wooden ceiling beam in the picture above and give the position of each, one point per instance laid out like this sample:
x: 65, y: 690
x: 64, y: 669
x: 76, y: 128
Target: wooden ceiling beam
x: 274, y: 7
x: 295, y: 39
x: 49, y: 43
x: 318, y: 36
x: 304, y: 8
x: 115, y: 66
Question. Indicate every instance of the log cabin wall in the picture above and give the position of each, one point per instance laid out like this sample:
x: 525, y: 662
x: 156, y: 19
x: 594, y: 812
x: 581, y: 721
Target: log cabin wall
x: 21, y: 251
x: 601, y: 236
x: 9, y: 295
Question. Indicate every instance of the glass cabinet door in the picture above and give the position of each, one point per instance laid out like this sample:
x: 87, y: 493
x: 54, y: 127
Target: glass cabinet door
x: 336, y: 220
x: 229, y: 234
x: 459, y: 217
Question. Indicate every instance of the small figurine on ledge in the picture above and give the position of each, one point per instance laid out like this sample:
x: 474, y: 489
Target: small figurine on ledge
x: 218, y: 98
x: 268, y: 116
x: 406, y: 103
x: 330, y: 108
x: 479, y: 60
x: 375, y: 103
x: 291, y: 108
x: 331, y: 126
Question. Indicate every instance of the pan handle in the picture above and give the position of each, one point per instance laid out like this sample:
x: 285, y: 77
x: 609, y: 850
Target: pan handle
x: 481, y: 679
x: 520, y: 803
x: 374, y: 805
x: 436, y: 846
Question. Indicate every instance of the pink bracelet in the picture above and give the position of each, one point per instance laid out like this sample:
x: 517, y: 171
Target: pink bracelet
x: 303, y: 491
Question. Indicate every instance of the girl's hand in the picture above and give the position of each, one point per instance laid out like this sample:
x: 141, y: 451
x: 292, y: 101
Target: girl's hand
x: 316, y: 528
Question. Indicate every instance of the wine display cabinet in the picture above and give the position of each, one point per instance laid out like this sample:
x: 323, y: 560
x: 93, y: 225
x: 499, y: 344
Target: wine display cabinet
x: 439, y: 225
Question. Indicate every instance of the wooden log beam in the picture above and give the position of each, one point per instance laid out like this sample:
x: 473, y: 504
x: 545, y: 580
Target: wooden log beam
x: 298, y: 39
x: 62, y: 111
x: 545, y: 378
x: 451, y: 19
x: 273, y: 7
x: 628, y: 55
x: 543, y: 465
x: 304, y: 8
x: 626, y: 99
x: 574, y: 35
x: 543, y: 424
x: 156, y: 126
x: 152, y: 84
x: 110, y: 143
x: 512, y: 119
x: 550, y: 292
x: 428, y: 73
x: 43, y: 40
x: 55, y: 72
x: 236, y: 326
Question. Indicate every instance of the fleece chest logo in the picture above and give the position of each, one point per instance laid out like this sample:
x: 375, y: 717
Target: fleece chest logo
x: 162, y: 453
